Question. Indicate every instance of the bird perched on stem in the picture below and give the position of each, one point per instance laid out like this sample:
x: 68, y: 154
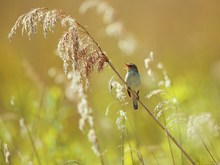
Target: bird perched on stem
x: 133, y: 83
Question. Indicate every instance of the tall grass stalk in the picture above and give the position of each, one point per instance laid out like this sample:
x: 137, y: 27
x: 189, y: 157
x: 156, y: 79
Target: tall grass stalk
x: 123, y: 146
x: 204, y: 144
x: 80, y: 54
x: 168, y: 139
x: 155, y: 119
x: 168, y: 133
x: 129, y: 144
x: 32, y: 142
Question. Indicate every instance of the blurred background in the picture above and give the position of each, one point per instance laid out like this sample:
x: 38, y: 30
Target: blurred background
x: 183, y: 35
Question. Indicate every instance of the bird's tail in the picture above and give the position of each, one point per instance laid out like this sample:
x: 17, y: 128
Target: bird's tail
x: 134, y: 101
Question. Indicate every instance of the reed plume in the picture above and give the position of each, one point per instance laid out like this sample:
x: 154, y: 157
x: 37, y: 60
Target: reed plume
x: 81, y: 55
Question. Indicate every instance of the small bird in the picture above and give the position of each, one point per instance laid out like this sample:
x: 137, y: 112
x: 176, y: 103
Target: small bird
x: 133, y: 83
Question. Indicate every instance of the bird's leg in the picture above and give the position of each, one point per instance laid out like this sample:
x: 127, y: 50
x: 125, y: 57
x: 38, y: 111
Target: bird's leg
x: 138, y: 95
x: 128, y: 90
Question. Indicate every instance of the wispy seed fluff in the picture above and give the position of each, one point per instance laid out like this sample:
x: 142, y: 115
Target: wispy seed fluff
x: 203, y: 124
x: 80, y: 55
x: 76, y: 47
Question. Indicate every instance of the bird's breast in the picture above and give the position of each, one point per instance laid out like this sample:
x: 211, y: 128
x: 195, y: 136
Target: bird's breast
x: 133, y: 80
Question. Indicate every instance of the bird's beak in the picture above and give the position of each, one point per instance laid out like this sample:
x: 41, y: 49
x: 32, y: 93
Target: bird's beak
x: 126, y: 66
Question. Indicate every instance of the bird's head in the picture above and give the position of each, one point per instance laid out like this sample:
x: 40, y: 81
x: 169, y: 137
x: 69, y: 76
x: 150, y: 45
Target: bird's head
x: 131, y: 66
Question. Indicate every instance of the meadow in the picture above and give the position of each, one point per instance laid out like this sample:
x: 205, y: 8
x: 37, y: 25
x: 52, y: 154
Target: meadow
x: 63, y: 98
